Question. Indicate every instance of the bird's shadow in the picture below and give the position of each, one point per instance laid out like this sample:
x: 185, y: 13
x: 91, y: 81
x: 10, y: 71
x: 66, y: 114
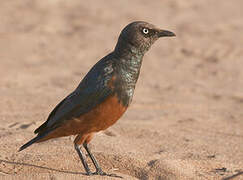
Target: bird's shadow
x: 41, y: 167
x: 233, y: 176
x: 52, y: 169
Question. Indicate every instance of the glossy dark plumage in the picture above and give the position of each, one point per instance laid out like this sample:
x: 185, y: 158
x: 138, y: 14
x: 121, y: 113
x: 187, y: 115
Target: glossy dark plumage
x: 105, y: 92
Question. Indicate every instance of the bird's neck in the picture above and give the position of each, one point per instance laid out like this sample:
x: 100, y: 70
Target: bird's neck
x: 129, y: 58
x: 125, y: 49
x: 129, y: 61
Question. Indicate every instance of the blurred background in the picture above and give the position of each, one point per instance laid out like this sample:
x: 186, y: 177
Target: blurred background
x: 186, y: 117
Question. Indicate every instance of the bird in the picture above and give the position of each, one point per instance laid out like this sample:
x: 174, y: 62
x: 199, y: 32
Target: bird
x: 103, y: 95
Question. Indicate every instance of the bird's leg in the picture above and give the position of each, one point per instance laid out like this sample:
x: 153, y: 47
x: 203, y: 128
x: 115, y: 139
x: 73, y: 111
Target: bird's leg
x: 81, y: 156
x: 99, y: 171
x: 97, y: 166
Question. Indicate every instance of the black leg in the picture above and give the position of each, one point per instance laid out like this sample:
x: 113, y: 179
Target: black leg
x: 81, y: 156
x: 97, y: 166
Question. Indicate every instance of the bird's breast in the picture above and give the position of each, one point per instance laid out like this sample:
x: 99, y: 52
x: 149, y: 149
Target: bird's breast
x: 107, y: 113
x: 123, y: 87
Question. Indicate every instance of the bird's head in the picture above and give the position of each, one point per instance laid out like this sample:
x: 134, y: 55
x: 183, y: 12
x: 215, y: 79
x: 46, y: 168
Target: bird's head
x: 140, y: 36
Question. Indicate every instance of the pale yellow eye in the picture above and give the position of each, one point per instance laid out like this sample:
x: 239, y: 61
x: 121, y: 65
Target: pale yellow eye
x: 145, y: 31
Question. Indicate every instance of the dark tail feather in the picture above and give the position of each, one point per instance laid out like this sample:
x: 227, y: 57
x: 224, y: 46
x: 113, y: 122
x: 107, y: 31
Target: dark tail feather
x: 30, y: 142
x: 34, y: 140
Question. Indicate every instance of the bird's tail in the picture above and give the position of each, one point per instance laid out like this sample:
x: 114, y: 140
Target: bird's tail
x: 32, y: 141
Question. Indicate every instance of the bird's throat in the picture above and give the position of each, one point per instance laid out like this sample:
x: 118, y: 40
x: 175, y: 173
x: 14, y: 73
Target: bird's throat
x: 128, y: 72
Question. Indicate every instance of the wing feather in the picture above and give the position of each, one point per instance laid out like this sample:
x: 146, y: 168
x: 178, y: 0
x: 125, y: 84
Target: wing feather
x: 92, y: 90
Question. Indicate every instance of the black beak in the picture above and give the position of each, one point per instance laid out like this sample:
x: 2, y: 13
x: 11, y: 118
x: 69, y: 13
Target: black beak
x: 164, y: 33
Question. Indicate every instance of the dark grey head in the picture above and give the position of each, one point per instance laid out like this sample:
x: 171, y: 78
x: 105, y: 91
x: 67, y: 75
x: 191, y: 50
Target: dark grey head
x: 140, y: 36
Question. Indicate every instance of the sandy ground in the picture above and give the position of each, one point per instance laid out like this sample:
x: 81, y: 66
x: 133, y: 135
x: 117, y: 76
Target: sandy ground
x: 186, y: 119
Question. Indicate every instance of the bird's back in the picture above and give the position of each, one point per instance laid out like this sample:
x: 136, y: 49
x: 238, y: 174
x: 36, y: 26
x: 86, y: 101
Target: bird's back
x: 92, y: 90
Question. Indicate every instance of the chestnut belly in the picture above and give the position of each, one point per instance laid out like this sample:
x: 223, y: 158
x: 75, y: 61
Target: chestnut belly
x: 99, y: 118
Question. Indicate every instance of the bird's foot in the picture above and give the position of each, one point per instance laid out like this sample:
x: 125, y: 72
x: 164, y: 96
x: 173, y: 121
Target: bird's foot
x: 89, y: 173
x: 102, y: 173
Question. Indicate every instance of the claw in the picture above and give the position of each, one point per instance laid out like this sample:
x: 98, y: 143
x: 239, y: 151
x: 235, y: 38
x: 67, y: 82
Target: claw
x: 102, y: 173
x: 89, y: 173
